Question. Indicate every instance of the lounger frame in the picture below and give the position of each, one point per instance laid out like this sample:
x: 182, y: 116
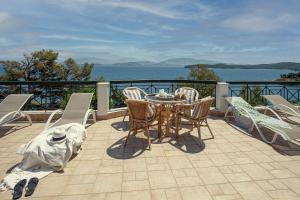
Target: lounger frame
x: 17, y: 114
x: 257, y: 126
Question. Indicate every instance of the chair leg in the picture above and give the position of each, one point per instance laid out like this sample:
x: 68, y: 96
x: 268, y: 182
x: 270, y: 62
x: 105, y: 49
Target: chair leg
x: 28, y: 118
x: 212, y: 135
x: 177, y: 127
x: 148, y: 136
x: 199, y: 131
x: 135, y: 129
x: 127, y: 138
x: 125, y: 115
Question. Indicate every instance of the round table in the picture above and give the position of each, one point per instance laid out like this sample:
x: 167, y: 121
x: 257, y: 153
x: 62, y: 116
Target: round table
x: 166, y: 111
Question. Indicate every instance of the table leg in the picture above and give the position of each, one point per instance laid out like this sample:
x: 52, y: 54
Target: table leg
x: 159, y: 122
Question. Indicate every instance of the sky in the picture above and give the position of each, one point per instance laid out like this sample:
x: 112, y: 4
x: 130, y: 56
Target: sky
x: 111, y: 31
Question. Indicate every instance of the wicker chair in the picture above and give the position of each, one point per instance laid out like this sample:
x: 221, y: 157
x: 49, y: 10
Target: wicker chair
x: 142, y: 115
x: 133, y: 93
x: 190, y: 93
x: 198, y: 114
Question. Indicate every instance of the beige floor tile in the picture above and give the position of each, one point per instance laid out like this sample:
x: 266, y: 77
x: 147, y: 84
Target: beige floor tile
x: 161, y: 179
x: 221, y: 160
x: 232, y: 166
x: 278, y: 184
x: 179, y: 162
x: 135, y: 185
x: 237, y: 177
x: 108, y: 183
x: 265, y: 185
x: 293, y: 184
x: 166, y: 194
x: 87, y: 167
x: 136, y: 195
x: 282, y: 173
x: 251, y: 191
x: 293, y: 166
x: 82, y: 179
x: 211, y: 175
x: 191, y: 193
x: 283, y: 194
x: 78, y: 189
x: 135, y: 165
x: 256, y: 172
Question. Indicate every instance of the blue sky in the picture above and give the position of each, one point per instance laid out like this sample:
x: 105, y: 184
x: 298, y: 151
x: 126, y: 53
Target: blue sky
x: 109, y: 31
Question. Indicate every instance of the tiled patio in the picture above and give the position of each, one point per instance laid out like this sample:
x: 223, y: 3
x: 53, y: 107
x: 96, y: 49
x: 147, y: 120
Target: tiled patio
x: 231, y: 166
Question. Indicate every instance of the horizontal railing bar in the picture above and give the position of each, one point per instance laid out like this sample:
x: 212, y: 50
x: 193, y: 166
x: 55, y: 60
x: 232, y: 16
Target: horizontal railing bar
x: 265, y: 82
x: 161, y: 81
x: 48, y: 82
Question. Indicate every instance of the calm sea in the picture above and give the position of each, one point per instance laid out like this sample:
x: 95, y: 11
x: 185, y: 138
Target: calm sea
x: 134, y: 73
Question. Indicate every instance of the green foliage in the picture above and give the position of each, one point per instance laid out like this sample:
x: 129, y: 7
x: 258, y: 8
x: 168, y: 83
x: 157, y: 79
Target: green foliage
x: 201, y: 72
x: 290, y: 77
x: 252, y: 95
x: 43, y: 66
x: 101, y: 79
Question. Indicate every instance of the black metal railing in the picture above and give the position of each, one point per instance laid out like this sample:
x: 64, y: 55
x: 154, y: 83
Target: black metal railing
x: 251, y: 91
x: 205, y: 88
x: 48, y: 95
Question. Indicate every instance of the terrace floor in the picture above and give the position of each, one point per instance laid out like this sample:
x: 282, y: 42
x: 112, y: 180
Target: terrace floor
x: 231, y: 166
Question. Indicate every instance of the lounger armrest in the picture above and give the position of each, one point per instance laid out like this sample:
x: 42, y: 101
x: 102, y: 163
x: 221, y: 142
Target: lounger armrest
x: 59, y: 111
x: 272, y: 111
x: 289, y: 108
x: 9, y: 116
x: 87, y: 114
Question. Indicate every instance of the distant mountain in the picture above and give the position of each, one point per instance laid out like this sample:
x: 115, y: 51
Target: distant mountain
x: 183, y: 62
x: 177, y: 62
x: 280, y: 65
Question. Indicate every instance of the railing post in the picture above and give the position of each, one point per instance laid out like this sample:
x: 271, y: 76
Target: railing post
x: 222, y: 89
x: 103, y: 98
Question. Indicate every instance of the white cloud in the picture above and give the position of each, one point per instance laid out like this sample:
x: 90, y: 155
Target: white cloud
x: 3, y: 17
x: 174, y: 9
x: 5, y: 42
x: 78, y: 38
x: 157, y: 10
x: 257, y: 23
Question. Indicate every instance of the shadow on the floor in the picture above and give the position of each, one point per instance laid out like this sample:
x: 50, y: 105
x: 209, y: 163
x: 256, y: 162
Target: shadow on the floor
x: 187, y: 143
x: 8, y: 129
x: 281, y: 146
x: 135, y: 147
x: 120, y: 126
x: 11, y: 168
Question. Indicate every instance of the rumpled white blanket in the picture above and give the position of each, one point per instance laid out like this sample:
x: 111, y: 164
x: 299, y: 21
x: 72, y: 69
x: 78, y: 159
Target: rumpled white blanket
x: 40, y: 157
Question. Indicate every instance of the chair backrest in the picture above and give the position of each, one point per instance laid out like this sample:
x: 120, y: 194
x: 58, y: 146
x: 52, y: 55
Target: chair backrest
x: 278, y: 100
x: 202, y: 108
x: 139, y: 110
x: 240, y: 105
x: 134, y: 93
x: 77, y: 106
x: 190, y: 93
x: 14, y: 102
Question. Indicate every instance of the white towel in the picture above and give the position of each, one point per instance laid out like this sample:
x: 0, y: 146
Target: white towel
x: 40, y: 157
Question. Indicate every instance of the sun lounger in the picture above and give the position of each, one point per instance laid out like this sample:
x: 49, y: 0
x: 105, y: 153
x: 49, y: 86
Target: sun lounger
x: 10, y: 108
x: 281, y: 105
x: 77, y: 111
x: 242, y: 112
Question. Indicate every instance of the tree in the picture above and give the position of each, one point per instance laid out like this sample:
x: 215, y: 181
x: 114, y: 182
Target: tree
x: 201, y: 73
x: 252, y: 95
x: 43, y: 66
x: 290, y: 77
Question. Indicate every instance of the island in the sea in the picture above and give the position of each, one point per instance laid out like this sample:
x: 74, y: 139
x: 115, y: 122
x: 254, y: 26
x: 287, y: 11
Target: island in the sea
x: 280, y: 65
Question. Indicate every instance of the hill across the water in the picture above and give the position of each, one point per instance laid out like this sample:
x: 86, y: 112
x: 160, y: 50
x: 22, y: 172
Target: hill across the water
x: 281, y: 65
